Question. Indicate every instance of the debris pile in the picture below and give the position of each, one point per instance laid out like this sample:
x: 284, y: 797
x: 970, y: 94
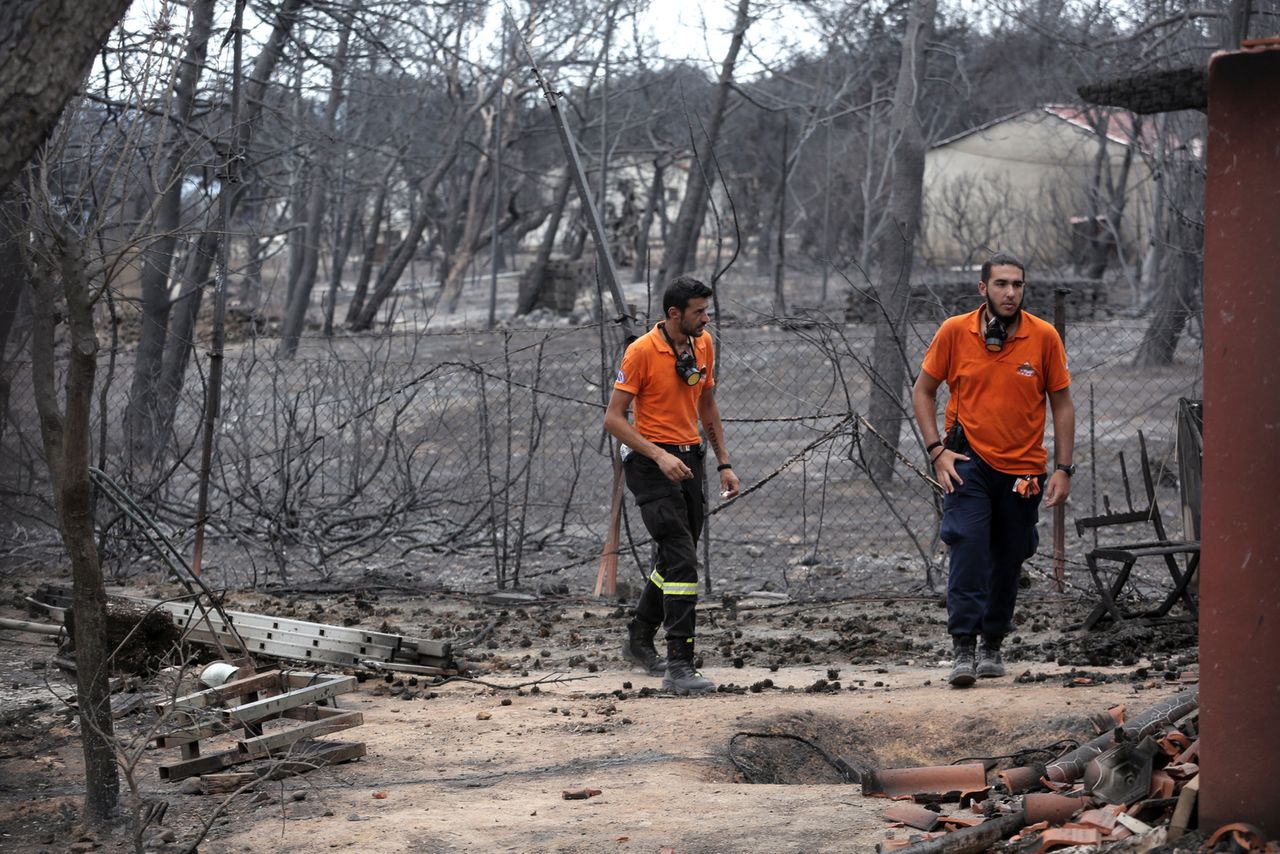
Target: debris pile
x: 271, y: 636
x: 226, y: 725
x: 1133, y: 787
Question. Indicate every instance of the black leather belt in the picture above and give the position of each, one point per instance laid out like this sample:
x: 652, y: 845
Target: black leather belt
x: 679, y: 449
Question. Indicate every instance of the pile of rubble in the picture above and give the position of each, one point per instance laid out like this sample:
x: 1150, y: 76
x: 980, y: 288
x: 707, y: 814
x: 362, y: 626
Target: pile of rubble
x: 1131, y: 788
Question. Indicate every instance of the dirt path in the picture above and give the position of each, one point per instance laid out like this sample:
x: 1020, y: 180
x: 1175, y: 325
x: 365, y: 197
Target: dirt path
x: 457, y: 783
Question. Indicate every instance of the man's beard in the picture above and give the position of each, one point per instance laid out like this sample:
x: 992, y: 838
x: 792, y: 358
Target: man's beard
x: 991, y: 312
x: 691, y: 330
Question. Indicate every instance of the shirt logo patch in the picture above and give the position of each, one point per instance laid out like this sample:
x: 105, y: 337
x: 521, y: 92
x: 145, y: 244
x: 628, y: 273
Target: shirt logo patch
x: 1026, y: 370
x: 621, y: 377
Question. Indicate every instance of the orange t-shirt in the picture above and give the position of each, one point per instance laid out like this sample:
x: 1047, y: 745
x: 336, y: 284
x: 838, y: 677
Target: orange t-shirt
x: 665, y: 406
x: 1000, y: 397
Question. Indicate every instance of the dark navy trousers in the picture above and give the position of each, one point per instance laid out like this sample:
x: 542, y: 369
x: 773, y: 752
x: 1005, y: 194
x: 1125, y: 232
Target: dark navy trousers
x: 991, y: 530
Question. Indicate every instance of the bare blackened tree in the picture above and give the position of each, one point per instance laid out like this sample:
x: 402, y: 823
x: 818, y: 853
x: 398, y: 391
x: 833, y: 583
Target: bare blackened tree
x: 1178, y: 259
x: 681, y: 249
x: 60, y: 242
x: 141, y: 422
x: 198, y: 263
x: 896, y: 247
x: 299, y: 289
x: 68, y: 444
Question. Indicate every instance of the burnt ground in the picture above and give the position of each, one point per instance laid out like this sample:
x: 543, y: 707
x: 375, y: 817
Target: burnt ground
x: 481, y: 765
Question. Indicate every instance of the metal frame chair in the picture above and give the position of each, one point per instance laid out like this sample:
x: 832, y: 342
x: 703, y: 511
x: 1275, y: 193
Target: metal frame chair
x: 1127, y: 554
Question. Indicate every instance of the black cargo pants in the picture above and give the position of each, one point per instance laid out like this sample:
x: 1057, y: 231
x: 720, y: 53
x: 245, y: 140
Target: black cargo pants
x: 673, y: 515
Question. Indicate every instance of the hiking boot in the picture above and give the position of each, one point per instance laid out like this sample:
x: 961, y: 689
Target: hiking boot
x: 990, y: 664
x: 638, y: 649
x: 964, y: 671
x: 682, y: 678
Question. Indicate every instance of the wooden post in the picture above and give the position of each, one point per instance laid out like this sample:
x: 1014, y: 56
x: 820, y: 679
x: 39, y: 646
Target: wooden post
x: 607, y: 571
x: 1060, y: 512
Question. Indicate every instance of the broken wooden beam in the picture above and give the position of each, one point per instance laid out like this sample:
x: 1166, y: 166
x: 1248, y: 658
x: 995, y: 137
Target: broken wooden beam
x: 197, y: 765
x: 221, y: 710
x: 272, y: 706
x: 306, y: 757
x: 971, y: 840
x: 226, y: 782
x: 220, y: 695
x: 264, y: 744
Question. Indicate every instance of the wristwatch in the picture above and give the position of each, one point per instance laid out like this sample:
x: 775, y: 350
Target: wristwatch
x: 1069, y: 468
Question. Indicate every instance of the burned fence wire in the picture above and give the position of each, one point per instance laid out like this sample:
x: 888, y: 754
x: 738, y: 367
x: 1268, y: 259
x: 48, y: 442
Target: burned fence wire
x: 1026, y: 756
x: 169, y: 553
x: 346, y: 460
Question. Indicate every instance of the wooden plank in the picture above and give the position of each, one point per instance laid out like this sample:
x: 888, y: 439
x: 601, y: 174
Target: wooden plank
x: 311, y: 712
x: 221, y: 694
x: 265, y: 744
x: 126, y: 704
x: 1182, y: 811
x: 189, y: 734
x: 305, y: 679
x: 196, y: 732
x: 317, y: 754
x: 201, y: 764
x: 249, y: 712
x: 227, y: 782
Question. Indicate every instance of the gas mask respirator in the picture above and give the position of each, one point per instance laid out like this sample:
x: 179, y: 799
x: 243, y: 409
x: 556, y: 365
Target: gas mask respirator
x: 686, y: 363
x: 995, y: 335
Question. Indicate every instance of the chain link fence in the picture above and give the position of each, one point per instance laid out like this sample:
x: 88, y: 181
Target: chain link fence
x: 478, y: 460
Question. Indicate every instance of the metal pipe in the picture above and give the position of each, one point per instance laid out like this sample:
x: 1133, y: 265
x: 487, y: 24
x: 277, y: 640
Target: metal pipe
x: 1071, y: 767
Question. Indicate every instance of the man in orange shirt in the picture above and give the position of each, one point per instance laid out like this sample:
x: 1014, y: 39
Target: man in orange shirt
x: 668, y: 379
x: 999, y: 363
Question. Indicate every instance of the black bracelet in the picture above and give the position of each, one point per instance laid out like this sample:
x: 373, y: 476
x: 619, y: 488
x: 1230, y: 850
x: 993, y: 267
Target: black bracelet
x: 723, y: 466
x: 929, y: 449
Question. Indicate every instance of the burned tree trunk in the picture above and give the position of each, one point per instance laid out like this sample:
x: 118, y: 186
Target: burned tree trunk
x: 141, y: 416
x: 403, y: 253
x: 14, y: 288
x: 895, y: 249
x: 346, y: 238
x: 1178, y: 299
x: 317, y: 202
x: 370, y: 255
x: 535, y: 277
x: 682, y: 249
x: 68, y: 442
x: 200, y: 257
x: 657, y: 198
x: 451, y: 294
x: 46, y: 47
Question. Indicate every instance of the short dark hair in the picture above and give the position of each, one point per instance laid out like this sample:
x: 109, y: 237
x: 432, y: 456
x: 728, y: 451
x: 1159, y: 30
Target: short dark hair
x: 1001, y: 259
x: 682, y: 290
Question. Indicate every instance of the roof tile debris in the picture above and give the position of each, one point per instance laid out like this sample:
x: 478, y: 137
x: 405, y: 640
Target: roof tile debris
x: 1138, y: 779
